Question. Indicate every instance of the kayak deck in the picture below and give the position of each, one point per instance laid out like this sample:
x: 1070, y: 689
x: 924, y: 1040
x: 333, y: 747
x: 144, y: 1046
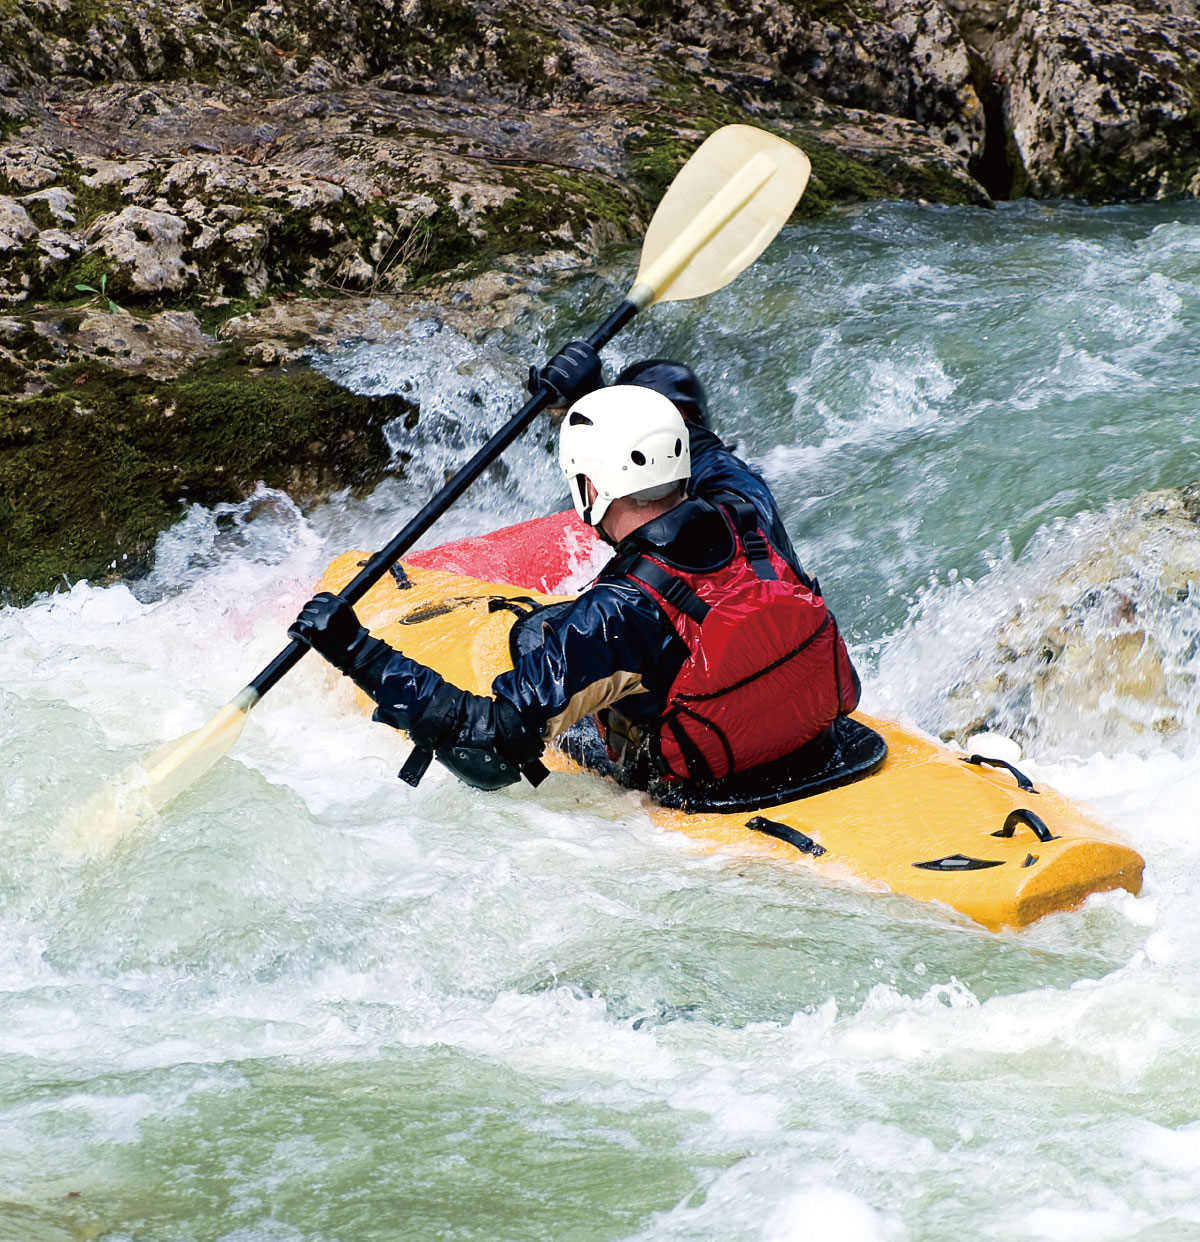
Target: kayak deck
x: 924, y: 824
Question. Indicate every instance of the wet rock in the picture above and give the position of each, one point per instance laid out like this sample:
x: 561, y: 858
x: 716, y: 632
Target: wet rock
x: 102, y: 459
x: 865, y: 155
x: 161, y: 346
x: 1100, y: 646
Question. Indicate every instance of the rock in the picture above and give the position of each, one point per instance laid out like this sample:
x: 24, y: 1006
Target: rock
x: 912, y: 65
x: 1101, y: 99
x: 59, y: 204
x: 28, y: 167
x: 144, y: 250
x: 450, y: 159
x: 1100, y: 645
x: 16, y: 227
x: 95, y: 465
x: 161, y: 346
x: 858, y: 154
x: 56, y: 248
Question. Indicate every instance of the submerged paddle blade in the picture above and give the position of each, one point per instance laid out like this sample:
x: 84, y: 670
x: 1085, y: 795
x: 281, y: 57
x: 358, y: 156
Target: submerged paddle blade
x: 144, y: 789
x: 721, y: 212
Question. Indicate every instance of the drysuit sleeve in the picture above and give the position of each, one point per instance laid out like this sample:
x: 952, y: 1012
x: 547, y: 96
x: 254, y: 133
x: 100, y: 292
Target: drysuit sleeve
x: 614, y: 643
x: 610, y: 644
x: 716, y: 468
x: 482, y: 739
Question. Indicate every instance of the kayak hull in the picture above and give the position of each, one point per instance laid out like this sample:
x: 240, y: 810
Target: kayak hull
x: 924, y: 824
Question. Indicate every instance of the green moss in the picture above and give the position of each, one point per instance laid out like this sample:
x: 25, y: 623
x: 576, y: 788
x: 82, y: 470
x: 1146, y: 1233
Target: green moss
x: 40, y: 214
x: 11, y: 122
x: 838, y: 178
x: 667, y: 137
x: 95, y: 467
x: 549, y: 201
x: 90, y: 201
x: 655, y: 157
x: 652, y: 13
x: 523, y: 54
x: 95, y: 270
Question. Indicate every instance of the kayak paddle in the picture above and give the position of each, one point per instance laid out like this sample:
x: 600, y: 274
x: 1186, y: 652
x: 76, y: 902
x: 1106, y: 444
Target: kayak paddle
x: 718, y: 215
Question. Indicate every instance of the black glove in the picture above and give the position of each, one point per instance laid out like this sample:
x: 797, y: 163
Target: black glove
x: 329, y: 626
x: 572, y: 373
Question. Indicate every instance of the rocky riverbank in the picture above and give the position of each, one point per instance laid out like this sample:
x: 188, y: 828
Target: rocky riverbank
x: 225, y: 177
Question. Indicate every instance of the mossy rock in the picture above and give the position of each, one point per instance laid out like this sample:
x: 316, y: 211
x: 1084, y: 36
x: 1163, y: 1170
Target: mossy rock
x: 92, y: 469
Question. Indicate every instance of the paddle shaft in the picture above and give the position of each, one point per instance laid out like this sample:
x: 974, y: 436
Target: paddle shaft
x: 386, y: 557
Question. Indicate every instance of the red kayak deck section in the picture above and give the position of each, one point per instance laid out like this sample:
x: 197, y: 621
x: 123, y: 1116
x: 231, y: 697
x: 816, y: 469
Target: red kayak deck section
x: 555, y: 554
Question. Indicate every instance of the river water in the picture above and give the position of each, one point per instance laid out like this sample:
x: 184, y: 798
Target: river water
x: 310, y: 1003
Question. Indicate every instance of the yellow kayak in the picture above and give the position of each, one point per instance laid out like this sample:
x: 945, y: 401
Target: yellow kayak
x: 924, y: 823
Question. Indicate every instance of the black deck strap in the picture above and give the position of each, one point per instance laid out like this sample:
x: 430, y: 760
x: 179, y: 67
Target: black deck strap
x: 1023, y: 781
x: 399, y: 577
x: 784, y: 832
x: 674, y: 590
x: 518, y: 605
x: 1023, y: 816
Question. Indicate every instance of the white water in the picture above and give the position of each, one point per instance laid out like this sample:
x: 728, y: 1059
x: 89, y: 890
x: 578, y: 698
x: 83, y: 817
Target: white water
x: 309, y: 1003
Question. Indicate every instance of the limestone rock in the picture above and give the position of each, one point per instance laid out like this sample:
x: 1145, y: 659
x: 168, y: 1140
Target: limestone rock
x: 1101, y: 99
x: 145, y: 250
x: 16, y: 227
x: 912, y: 64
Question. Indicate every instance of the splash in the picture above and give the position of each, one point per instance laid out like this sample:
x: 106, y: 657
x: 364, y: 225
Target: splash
x: 1088, y: 640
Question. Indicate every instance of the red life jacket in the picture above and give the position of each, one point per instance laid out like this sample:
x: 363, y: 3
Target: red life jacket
x: 767, y: 669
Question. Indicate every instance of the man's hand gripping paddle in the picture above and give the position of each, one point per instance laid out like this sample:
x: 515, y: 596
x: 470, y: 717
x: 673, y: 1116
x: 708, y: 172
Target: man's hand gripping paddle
x: 722, y: 210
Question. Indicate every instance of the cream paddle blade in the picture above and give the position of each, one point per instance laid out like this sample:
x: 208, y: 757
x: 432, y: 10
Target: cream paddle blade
x: 724, y: 206
x: 143, y: 789
x: 721, y: 212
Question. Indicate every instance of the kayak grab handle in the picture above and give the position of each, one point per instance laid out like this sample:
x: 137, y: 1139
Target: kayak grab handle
x: 1022, y: 816
x: 785, y: 832
x: 1023, y: 781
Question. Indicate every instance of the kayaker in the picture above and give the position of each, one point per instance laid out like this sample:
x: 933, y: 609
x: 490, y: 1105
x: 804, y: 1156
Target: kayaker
x: 703, y: 649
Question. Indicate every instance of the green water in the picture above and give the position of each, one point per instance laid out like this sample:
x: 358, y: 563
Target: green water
x: 310, y: 1004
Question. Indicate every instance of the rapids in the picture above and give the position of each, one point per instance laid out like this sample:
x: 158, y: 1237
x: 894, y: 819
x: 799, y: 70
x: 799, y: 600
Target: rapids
x: 310, y: 1004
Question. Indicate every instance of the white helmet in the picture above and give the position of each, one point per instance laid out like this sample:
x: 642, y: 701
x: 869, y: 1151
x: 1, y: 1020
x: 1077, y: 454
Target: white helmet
x: 630, y: 441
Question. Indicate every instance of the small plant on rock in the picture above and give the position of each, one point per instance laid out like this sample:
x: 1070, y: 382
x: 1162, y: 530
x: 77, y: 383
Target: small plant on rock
x: 101, y: 294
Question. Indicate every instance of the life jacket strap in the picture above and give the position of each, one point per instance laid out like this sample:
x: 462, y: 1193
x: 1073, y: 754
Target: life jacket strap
x: 674, y: 590
x: 754, y: 543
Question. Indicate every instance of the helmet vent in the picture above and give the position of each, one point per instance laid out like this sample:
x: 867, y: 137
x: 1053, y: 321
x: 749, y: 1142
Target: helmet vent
x: 638, y: 457
x: 579, y: 420
x: 678, y: 448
